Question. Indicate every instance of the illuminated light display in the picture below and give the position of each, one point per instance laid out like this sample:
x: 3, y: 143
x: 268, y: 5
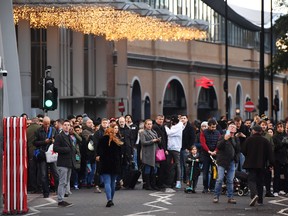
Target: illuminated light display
x: 104, y: 21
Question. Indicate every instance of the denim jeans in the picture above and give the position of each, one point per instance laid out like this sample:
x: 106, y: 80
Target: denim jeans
x: 229, y: 180
x: 148, y: 169
x: 109, y: 184
x: 90, y: 171
x: 241, y: 162
x: 135, y: 159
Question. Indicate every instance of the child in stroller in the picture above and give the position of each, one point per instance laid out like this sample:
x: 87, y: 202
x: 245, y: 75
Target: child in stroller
x: 193, y: 170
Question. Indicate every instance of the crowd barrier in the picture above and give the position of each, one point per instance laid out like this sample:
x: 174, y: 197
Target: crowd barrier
x: 14, y: 170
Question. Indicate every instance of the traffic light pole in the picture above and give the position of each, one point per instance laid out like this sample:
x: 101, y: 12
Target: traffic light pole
x: 261, y: 71
x: 226, y: 62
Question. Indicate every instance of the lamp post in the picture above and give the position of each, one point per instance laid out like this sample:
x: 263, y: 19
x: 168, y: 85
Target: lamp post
x: 226, y: 61
x: 261, y: 70
x: 271, y: 61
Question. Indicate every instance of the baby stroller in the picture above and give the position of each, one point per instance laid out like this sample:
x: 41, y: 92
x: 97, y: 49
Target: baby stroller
x: 240, y: 184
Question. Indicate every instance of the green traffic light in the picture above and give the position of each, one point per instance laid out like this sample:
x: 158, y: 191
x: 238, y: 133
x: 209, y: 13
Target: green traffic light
x: 48, y: 103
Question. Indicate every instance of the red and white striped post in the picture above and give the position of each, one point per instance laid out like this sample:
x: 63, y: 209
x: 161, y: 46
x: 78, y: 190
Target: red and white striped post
x: 14, y: 171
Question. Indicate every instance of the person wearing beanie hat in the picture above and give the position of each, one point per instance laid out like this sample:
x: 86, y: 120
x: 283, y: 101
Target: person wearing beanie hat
x: 204, y: 124
x: 257, y: 128
x: 85, y: 119
x: 87, y: 132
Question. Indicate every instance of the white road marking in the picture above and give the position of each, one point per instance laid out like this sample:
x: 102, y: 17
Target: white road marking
x: 35, y: 210
x: 283, y: 211
x: 162, y: 198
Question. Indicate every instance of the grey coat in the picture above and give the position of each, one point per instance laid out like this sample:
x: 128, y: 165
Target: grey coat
x: 148, y: 147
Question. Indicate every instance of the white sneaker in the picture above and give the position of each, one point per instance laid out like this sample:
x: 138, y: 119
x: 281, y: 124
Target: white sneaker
x: 254, y: 200
x: 275, y: 194
x: 178, y: 184
x: 282, y: 193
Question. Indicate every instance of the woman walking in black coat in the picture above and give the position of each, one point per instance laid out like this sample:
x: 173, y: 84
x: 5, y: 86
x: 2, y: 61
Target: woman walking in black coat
x: 109, y: 158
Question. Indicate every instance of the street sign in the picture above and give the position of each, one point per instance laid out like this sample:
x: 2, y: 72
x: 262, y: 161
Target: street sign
x: 121, y: 107
x: 249, y: 106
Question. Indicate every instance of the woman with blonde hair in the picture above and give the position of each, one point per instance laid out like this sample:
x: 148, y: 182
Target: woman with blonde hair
x: 109, y: 157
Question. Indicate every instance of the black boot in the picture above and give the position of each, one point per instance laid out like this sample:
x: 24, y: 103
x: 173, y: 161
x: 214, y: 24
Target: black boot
x: 153, y: 182
x: 147, y: 185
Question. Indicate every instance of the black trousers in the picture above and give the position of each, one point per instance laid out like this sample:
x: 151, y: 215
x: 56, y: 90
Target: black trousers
x: 255, y: 183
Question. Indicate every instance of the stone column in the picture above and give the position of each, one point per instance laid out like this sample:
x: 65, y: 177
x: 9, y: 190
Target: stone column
x: 13, y: 102
x: 24, y: 51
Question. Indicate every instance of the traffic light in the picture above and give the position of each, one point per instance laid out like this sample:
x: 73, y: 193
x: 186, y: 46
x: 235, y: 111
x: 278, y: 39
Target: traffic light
x: 50, y: 94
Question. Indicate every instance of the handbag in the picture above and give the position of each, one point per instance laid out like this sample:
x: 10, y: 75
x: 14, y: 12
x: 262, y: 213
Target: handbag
x: 160, y: 155
x: 91, y: 145
x: 51, y: 156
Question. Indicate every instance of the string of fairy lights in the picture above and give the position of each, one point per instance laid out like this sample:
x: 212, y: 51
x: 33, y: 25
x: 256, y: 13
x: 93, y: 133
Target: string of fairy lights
x: 104, y: 21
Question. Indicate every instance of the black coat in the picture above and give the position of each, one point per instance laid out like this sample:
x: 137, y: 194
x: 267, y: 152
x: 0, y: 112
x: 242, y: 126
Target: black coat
x: 66, y: 151
x: 110, y: 156
x: 245, y: 130
x: 280, y: 148
x: 127, y: 147
x: 257, y: 151
x: 228, y: 150
x: 96, y: 139
x: 41, y: 136
x: 188, y: 136
x: 161, y: 132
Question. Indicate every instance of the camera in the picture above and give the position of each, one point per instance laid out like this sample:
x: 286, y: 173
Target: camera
x: 3, y: 72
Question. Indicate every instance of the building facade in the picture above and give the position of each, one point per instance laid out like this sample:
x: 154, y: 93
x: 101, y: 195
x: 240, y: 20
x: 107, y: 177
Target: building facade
x: 151, y: 77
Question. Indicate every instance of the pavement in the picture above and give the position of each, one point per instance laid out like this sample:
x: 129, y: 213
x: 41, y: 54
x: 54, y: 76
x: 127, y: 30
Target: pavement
x: 142, y: 202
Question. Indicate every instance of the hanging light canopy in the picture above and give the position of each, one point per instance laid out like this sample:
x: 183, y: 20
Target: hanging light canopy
x: 113, y: 24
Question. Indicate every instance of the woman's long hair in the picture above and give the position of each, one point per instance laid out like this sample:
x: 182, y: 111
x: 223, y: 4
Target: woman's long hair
x: 112, y: 136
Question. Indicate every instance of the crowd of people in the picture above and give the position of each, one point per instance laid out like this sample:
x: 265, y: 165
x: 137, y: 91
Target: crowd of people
x: 96, y: 153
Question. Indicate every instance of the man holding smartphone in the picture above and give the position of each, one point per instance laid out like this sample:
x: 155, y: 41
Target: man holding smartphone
x: 44, y: 137
x: 227, y: 157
